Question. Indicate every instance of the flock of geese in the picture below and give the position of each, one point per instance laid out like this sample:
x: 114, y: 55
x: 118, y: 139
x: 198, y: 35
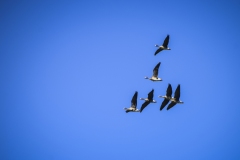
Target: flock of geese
x: 168, y: 97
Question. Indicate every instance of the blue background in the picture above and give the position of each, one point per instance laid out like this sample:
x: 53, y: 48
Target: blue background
x: 68, y: 68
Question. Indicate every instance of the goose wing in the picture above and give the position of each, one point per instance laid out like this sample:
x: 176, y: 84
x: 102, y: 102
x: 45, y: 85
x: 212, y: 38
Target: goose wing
x: 177, y: 93
x: 165, y: 43
x: 155, y: 70
x: 134, y: 100
x: 144, y: 105
x: 164, y: 103
x: 171, y: 105
x: 169, y: 91
x: 157, y: 51
x: 150, y: 95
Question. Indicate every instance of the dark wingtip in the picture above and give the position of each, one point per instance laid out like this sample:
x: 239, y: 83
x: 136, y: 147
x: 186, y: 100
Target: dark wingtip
x: 161, y: 108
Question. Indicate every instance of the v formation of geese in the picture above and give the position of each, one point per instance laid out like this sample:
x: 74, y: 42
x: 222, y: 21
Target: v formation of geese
x: 167, y: 98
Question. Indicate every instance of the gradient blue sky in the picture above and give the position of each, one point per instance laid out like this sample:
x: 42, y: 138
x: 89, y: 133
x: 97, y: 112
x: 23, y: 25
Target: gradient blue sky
x: 68, y: 68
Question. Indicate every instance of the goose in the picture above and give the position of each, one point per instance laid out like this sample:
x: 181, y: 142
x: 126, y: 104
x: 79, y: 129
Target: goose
x: 133, y: 107
x: 167, y: 97
x: 174, y: 100
x: 147, y: 100
x: 164, y: 46
x: 155, y: 74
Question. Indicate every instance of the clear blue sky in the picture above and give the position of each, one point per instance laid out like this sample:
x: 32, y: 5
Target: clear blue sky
x: 68, y: 68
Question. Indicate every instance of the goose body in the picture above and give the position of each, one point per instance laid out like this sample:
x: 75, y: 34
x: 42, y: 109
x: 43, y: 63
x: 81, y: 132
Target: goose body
x: 175, y: 100
x: 164, y: 46
x: 133, y: 107
x: 155, y: 74
x: 148, y: 100
x: 167, y: 97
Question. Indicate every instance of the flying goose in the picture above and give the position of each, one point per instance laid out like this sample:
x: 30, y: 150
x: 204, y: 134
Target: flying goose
x: 167, y: 97
x: 155, y: 74
x: 174, y: 100
x: 133, y: 107
x: 148, y: 100
x: 164, y: 46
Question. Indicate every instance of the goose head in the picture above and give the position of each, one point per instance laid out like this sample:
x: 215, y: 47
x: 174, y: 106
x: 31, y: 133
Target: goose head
x: 153, y: 101
x: 146, y: 77
x: 162, y: 96
x: 142, y: 98
x: 168, y: 48
x: 156, y: 45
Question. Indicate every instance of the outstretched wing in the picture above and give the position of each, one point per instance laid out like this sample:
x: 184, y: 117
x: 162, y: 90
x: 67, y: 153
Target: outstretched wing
x: 134, y: 100
x: 171, y: 105
x: 155, y: 70
x: 157, y: 51
x: 177, y: 93
x: 150, y: 95
x: 165, y: 43
x: 164, y: 103
x: 169, y: 91
x: 144, y: 105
